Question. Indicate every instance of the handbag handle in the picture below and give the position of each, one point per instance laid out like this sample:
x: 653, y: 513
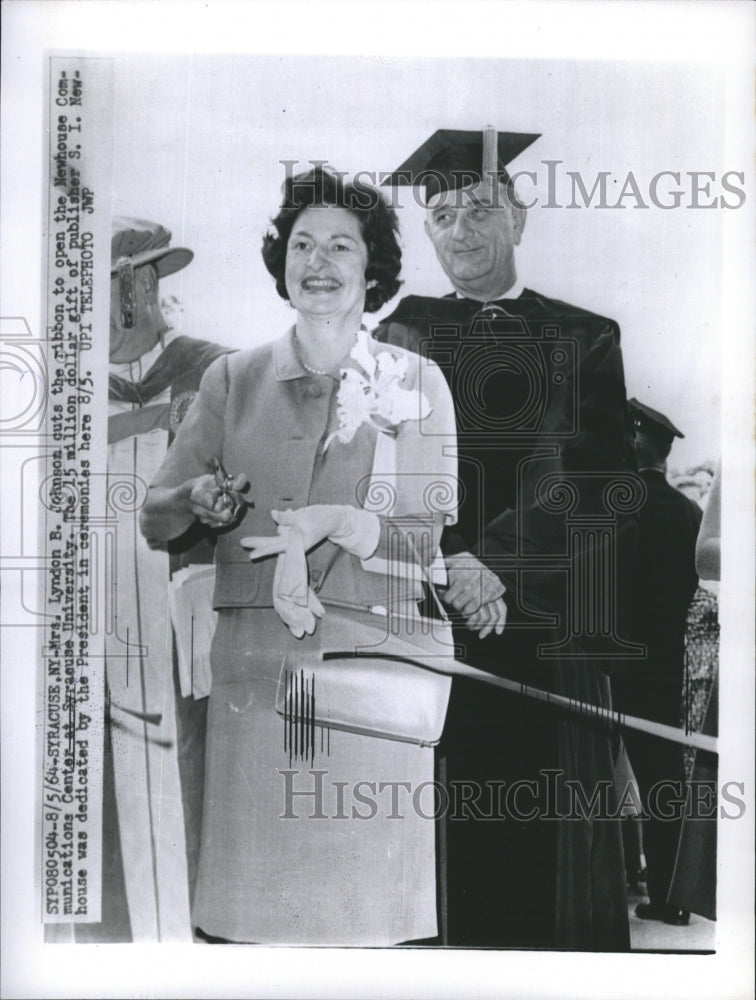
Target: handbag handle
x: 428, y: 581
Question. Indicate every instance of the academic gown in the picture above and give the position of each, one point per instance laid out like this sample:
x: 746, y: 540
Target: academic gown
x: 548, y: 502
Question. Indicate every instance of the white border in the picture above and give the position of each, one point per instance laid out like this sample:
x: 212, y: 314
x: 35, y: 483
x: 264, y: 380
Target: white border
x: 715, y: 33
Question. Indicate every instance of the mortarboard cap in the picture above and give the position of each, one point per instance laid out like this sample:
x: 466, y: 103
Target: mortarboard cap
x: 652, y: 421
x: 141, y: 242
x: 453, y: 159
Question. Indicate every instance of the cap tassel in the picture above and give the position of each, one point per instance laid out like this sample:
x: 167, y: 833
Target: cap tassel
x: 490, y: 154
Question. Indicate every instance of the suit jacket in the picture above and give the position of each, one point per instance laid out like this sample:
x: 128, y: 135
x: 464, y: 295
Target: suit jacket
x: 265, y: 416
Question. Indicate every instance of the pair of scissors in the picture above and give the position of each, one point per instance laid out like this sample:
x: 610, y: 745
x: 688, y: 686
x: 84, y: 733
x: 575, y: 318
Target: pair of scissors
x: 232, y: 499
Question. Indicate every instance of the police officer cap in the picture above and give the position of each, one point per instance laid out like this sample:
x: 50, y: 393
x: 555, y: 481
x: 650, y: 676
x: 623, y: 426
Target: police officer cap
x: 653, y: 422
x: 452, y: 159
x: 141, y: 242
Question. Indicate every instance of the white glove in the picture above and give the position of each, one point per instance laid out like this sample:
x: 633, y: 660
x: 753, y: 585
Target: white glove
x: 293, y: 599
x: 355, y: 530
x: 296, y: 603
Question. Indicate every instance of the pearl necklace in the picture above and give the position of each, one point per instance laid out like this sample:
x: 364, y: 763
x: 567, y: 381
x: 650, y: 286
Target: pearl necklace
x: 303, y: 363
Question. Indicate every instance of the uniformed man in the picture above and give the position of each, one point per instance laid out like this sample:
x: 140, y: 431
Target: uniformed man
x: 665, y: 582
x: 545, y: 461
x: 156, y: 736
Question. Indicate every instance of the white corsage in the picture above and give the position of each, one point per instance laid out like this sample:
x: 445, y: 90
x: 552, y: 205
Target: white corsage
x: 371, y: 392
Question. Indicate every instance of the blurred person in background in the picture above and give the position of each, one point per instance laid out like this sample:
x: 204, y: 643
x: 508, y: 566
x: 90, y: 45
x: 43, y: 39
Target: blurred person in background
x: 665, y: 582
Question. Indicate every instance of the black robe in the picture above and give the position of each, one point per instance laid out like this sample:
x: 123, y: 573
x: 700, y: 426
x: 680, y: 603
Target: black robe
x: 548, y: 501
x: 664, y: 585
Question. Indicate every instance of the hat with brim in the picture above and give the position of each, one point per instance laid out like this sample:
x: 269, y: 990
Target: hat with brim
x: 142, y: 242
x: 652, y: 421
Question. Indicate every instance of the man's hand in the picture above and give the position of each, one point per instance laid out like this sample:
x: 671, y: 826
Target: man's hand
x: 491, y: 617
x: 476, y: 593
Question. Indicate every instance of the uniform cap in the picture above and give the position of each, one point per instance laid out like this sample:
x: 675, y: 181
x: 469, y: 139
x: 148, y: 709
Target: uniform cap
x: 652, y: 421
x: 452, y: 159
x: 142, y: 242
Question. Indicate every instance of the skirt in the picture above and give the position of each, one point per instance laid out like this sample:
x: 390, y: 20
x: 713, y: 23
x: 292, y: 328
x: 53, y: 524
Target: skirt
x: 335, y: 849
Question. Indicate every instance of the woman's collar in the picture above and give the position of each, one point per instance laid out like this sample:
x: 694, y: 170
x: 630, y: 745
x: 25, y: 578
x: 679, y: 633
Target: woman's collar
x: 286, y: 361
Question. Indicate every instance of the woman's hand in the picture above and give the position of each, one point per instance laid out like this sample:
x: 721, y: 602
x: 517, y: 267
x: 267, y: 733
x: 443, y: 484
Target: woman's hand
x: 355, y: 530
x: 210, y: 503
x: 315, y: 523
x: 171, y: 510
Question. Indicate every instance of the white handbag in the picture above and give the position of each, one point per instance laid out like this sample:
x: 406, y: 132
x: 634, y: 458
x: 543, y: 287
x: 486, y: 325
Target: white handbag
x: 366, y: 673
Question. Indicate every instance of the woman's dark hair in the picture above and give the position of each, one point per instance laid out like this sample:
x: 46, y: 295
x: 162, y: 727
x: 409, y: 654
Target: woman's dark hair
x: 378, y: 225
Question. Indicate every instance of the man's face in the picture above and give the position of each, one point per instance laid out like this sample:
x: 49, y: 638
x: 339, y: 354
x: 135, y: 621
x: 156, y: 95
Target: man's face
x: 474, y: 234
x: 128, y: 344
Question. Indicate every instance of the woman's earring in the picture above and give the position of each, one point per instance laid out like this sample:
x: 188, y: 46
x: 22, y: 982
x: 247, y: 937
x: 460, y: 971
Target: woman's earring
x: 372, y: 283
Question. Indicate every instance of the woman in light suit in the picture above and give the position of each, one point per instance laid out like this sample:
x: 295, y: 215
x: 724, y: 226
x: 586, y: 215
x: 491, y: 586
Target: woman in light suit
x: 325, y: 847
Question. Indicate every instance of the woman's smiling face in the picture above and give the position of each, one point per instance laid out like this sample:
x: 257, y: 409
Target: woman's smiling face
x: 326, y: 259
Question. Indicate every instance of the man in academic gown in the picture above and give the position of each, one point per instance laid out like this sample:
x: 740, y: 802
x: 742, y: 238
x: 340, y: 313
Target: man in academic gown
x: 546, y: 527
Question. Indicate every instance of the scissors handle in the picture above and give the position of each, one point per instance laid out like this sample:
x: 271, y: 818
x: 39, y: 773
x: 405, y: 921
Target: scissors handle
x: 232, y: 499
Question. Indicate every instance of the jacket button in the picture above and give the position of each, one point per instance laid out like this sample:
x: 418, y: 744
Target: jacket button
x: 314, y: 391
x: 316, y: 575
